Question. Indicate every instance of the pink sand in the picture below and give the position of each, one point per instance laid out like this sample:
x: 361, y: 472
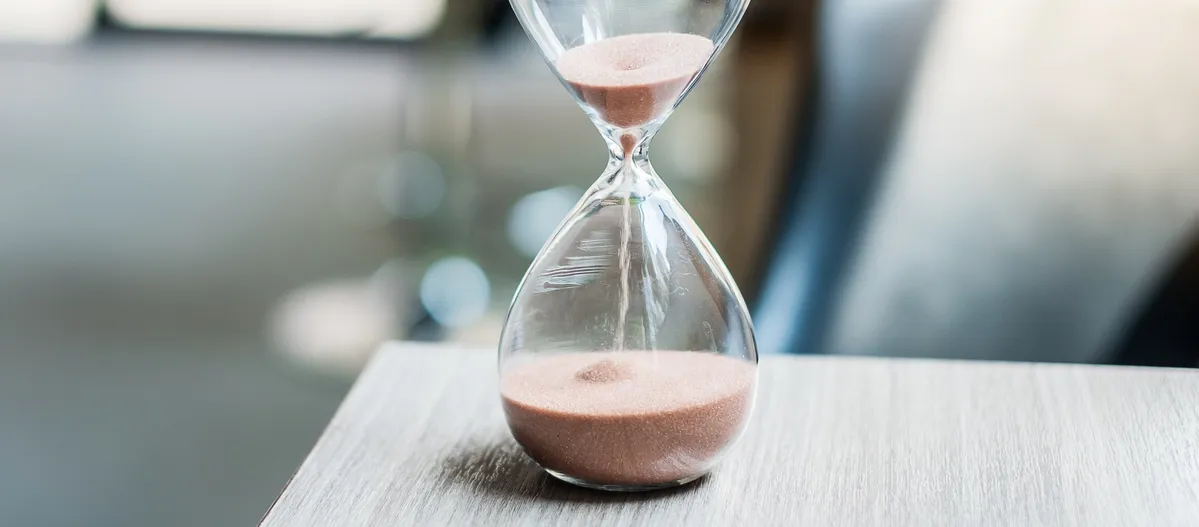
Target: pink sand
x: 628, y: 418
x: 632, y: 79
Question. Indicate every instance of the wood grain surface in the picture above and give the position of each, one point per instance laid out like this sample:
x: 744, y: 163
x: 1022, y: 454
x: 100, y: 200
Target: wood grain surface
x: 421, y: 440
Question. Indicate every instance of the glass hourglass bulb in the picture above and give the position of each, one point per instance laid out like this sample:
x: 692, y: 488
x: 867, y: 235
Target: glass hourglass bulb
x: 627, y: 360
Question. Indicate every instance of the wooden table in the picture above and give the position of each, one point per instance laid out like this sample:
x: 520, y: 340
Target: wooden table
x: 420, y: 440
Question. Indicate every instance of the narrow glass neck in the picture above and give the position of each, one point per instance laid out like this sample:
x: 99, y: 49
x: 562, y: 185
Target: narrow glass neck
x: 629, y: 173
x: 630, y: 146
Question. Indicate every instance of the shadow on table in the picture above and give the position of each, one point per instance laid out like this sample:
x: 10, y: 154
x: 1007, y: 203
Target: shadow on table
x: 499, y: 467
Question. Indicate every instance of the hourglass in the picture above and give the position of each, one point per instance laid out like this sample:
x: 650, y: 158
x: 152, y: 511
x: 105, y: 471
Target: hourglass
x: 627, y: 360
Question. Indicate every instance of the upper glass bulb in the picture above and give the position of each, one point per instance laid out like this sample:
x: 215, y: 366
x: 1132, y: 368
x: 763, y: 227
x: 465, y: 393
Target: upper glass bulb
x: 629, y: 62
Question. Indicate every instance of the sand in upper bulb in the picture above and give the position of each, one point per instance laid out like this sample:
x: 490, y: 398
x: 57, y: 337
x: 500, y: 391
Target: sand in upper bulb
x: 632, y: 79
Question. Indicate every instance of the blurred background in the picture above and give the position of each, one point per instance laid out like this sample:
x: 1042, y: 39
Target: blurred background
x: 211, y: 212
